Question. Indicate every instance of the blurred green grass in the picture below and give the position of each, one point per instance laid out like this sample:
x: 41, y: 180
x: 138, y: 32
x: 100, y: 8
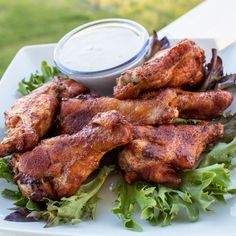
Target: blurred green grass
x: 24, y: 22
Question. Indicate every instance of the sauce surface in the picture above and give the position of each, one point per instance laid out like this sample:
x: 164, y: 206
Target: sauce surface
x: 100, y: 47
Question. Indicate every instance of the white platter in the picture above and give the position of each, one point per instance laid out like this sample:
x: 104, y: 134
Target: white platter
x: 221, y: 221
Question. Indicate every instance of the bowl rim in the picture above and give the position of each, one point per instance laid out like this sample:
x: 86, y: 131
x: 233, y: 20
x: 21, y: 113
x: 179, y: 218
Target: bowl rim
x: 141, y: 53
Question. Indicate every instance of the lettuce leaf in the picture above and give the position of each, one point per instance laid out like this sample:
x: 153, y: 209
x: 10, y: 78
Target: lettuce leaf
x: 82, y: 205
x: 221, y: 153
x: 131, y: 196
x: 38, y: 79
x: 161, y: 204
x: 5, y: 172
x: 11, y: 194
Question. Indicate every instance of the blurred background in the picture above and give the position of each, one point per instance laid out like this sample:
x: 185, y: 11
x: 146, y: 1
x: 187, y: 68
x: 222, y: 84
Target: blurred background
x: 25, y: 22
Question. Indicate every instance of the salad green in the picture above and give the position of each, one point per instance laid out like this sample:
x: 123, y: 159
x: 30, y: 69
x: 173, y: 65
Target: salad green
x: 38, y: 79
x: 82, y: 205
x: 200, y: 187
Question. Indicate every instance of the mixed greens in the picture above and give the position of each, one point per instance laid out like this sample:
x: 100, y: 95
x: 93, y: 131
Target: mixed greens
x: 209, y: 182
x: 80, y: 206
x: 160, y: 205
x: 214, y: 75
x: 38, y: 79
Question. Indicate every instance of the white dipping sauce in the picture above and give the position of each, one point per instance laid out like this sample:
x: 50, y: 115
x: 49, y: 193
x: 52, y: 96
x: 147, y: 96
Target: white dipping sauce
x: 96, y: 53
x: 100, y: 47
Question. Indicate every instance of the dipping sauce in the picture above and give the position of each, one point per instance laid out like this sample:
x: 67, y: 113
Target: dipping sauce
x: 98, y: 52
x: 100, y: 48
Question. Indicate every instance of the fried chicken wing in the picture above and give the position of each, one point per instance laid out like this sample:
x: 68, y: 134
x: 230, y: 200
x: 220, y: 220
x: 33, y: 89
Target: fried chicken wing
x: 152, y: 108
x: 161, y: 108
x: 156, y: 154
x: 203, y: 105
x: 31, y: 116
x: 61, y: 88
x: 178, y: 66
x: 58, y: 166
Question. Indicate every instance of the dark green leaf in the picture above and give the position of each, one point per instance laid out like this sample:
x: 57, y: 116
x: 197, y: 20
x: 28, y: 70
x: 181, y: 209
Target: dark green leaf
x: 11, y: 194
x: 32, y: 206
x: 5, y: 171
x: 21, y: 202
x: 232, y: 191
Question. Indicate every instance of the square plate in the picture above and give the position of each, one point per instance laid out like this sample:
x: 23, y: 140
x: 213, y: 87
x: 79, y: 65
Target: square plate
x: 221, y: 221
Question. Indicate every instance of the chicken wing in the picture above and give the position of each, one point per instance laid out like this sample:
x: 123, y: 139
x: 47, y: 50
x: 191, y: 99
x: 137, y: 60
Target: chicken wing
x: 156, y: 154
x: 58, y: 166
x: 31, y: 116
x: 203, y: 105
x: 153, y: 108
x: 181, y: 65
x: 161, y: 108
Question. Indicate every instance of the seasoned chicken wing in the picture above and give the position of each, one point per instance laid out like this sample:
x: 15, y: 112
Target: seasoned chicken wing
x: 153, y: 108
x: 159, y: 109
x: 156, y: 154
x: 58, y: 166
x: 31, y: 116
x: 203, y: 105
x: 181, y: 65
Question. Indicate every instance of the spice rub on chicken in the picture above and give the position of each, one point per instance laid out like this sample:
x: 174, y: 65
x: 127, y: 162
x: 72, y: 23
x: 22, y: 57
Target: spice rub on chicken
x: 59, y: 165
x: 178, y: 66
x: 157, y: 154
x: 159, y: 109
x: 203, y: 105
x: 152, y: 108
x: 32, y: 116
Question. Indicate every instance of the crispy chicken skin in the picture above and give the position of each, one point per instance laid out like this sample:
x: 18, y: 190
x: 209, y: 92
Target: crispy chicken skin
x: 178, y: 66
x: 31, y: 116
x: 156, y: 154
x: 61, y: 88
x: 152, y: 108
x: 203, y: 105
x: 161, y: 108
x: 58, y: 166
